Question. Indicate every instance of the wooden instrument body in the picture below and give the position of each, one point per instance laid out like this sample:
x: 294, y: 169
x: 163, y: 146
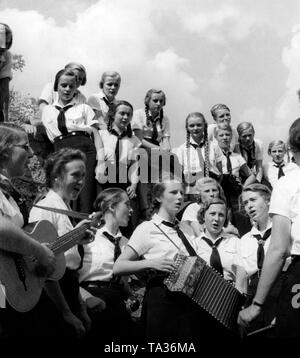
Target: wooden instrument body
x: 24, y: 296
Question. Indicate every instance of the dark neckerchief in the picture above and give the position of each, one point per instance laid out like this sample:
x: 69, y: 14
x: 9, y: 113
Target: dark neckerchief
x: 260, y: 250
x: 248, y: 154
x: 61, y: 118
x: 115, y: 240
x: 215, y: 259
x: 280, y: 170
x: 181, y: 235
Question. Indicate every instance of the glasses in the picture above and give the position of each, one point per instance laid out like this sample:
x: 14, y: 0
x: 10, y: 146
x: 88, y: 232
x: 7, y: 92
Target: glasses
x: 24, y: 146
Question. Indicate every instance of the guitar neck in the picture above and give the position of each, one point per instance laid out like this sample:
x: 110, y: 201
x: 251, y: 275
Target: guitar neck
x: 65, y: 242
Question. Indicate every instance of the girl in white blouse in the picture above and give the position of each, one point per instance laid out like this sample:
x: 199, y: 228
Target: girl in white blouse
x: 195, y: 155
x: 278, y: 167
x: 252, y: 249
x: 117, y: 156
x: 69, y: 124
x: 152, y: 127
x: 65, y: 175
x: 96, y: 274
x: 14, y: 154
x: 153, y: 246
x: 208, y: 189
x: 100, y: 102
x: 285, y: 213
x: 213, y: 215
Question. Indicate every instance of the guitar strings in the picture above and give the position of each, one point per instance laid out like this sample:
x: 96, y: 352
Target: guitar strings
x: 68, y: 238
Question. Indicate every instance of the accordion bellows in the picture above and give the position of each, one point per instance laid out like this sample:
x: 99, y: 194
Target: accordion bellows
x: 207, y: 288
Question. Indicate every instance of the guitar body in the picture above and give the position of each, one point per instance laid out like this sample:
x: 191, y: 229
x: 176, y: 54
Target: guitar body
x: 23, y: 287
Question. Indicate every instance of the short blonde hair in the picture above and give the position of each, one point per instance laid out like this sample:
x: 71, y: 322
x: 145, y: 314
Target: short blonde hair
x: 276, y: 142
x: 216, y: 108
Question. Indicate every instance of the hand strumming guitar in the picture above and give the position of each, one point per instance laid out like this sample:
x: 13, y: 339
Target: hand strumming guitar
x: 46, y: 261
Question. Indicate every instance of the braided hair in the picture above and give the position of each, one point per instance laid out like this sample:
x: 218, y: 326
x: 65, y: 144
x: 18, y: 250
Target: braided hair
x: 204, y: 143
x: 146, y: 102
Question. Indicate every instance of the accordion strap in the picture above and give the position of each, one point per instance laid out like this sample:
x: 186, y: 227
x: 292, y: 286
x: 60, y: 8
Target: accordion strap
x: 187, y: 245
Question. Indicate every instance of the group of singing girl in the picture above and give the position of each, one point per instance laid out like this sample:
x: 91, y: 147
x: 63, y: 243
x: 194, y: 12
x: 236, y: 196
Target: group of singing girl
x: 97, y: 168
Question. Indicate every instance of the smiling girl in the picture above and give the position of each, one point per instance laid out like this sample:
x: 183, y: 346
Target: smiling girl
x: 65, y: 176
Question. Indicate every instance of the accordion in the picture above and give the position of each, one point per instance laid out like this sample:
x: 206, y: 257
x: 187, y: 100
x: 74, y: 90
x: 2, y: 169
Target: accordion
x: 207, y: 288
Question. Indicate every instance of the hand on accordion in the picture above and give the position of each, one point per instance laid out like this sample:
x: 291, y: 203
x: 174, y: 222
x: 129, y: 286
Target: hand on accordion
x: 247, y: 315
x: 162, y: 264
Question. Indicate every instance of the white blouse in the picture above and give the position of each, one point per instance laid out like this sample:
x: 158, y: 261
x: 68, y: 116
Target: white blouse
x: 61, y: 223
x: 80, y: 117
x: 227, y: 250
x: 285, y: 201
x: 98, y: 259
x: 152, y: 239
x: 139, y: 121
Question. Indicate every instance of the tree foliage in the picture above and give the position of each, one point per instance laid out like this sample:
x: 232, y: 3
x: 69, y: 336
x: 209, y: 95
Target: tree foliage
x: 21, y: 109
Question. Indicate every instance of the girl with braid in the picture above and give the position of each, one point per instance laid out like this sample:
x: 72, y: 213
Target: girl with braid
x: 152, y: 127
x: 195, y: 155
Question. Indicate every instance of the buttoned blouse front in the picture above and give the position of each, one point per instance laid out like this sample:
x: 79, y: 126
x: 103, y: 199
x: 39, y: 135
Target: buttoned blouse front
x: 139, y: 121
x: 80, y: 117
x: 98, y: 260
x: 61, y: 223
x: 189, y: 158
x: 285, y: 201
x: 227, y: 250
x: 236, y: 160
x: 150, y: 241
x: 128, y: 148
x: 247, y: 249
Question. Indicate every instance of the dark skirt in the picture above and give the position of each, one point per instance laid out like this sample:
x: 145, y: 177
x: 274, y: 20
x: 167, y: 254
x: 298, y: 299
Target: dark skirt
x: 269, y: 312
x: 172, y: 316
x: 114, y: 323
x: 288, y: 308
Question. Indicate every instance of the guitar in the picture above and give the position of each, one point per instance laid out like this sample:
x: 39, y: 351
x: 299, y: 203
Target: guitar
x: 19, y: 274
